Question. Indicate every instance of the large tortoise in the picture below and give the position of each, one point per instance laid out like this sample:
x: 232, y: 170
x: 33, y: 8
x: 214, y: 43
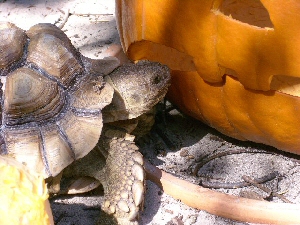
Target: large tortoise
x: 54, y: 102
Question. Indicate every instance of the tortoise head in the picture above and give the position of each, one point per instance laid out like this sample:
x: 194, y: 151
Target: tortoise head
x: 138, y: 87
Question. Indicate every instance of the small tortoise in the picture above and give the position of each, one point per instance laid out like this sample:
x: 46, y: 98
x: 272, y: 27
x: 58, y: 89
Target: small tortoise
x: 54, y: 102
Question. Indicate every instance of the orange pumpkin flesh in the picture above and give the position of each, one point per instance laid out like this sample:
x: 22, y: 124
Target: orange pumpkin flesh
x: 228, y: 69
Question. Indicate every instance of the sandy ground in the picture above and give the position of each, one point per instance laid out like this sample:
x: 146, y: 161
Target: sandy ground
x: 174, y: 146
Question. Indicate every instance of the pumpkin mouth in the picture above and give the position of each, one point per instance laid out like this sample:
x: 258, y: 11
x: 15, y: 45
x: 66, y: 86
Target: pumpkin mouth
x: 251, y: 12
x: 175, y: 59
x: 281, y: 83
x: 286, y: 84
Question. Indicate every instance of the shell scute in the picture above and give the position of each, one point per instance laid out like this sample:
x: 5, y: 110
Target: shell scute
x: 93, y: 93
x: 46, y: 28
x: 82, y: 131
x: 12, y: 42
x: 49, y: 53
x: 31, y: 97
x: 58, y: 152
x: 25, y: 145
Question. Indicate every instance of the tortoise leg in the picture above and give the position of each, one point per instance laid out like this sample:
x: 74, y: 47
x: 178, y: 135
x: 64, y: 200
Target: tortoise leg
x: 124, y: 183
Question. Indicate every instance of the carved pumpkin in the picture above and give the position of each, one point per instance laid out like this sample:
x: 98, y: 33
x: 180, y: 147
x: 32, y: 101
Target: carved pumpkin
x: 235, y: 64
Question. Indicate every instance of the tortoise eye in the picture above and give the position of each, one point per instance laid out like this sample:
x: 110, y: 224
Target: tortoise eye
x: 156, y: 80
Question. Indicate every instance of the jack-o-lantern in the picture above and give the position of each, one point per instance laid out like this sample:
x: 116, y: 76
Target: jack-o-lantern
x: 235, y: 64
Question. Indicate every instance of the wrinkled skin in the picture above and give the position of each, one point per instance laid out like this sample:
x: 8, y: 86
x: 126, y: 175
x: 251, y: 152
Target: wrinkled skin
x: 116, y: 162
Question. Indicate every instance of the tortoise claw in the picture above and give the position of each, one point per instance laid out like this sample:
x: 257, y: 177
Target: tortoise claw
x: 54, y: 183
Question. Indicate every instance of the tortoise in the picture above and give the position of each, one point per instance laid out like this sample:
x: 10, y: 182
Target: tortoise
x: 54, y: 102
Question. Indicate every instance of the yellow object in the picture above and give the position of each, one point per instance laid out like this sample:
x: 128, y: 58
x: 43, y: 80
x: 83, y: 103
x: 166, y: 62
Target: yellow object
x: 235, y: 64
x: 23, y: 195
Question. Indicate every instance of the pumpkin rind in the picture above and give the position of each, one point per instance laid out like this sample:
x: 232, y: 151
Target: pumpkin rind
x: 30, y: 97
x: 49, y: 53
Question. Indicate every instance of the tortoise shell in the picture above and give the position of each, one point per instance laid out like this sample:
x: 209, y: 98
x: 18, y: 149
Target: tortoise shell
x: 51, y: 100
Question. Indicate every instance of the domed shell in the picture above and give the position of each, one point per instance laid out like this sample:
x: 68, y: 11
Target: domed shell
x: 50, y: 104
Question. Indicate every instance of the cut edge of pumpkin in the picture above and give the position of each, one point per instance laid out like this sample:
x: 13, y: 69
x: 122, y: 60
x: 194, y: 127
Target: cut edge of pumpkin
x: 286, y: 84
x: 250, y: 12
x: 177, y: 60
x: 171, y: 57
x: 281, y: 83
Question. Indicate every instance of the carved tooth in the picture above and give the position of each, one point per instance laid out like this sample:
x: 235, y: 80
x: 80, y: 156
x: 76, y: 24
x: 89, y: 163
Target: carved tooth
x: 123, y: 206
x: 138, y: 172
x: 138, y: 192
